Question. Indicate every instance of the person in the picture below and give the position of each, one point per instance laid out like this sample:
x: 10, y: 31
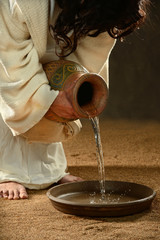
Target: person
x: 33, y: 33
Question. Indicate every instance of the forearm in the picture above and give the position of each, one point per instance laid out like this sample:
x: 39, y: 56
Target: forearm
x: 24, y: 90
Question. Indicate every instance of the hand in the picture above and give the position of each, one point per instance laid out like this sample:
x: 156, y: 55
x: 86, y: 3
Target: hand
x: 63, y: 107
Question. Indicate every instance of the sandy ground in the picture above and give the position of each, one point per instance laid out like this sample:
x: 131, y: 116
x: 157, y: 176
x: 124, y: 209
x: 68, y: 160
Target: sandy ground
x: 131, y: 153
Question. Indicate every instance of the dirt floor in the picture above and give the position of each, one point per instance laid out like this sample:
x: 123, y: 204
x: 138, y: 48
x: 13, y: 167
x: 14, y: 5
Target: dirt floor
x: 131, y: 153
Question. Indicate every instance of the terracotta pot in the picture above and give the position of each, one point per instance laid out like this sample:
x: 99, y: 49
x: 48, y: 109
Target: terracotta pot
x: 87, y: 91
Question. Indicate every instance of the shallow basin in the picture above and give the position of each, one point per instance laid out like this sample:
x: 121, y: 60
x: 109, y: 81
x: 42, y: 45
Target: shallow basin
x: 84, y: 198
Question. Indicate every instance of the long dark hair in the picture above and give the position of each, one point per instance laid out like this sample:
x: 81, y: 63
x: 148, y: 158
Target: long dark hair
x: 80, y: 18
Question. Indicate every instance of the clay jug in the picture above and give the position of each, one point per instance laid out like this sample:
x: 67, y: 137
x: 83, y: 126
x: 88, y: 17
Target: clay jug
x: 88, y: 91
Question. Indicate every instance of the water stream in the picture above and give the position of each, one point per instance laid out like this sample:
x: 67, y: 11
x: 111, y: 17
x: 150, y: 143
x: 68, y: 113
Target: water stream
x: 99, y: 153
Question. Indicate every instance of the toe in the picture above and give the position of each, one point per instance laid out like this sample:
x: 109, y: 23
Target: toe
x: 70, y: 178
x: 5, y: 194
x: 10, y: 195
x: 16, y: 194
x: 78, y: 179
x: 23, y: 193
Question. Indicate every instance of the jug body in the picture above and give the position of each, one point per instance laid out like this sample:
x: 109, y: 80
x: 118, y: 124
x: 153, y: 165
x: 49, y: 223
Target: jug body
x: 87, y: 92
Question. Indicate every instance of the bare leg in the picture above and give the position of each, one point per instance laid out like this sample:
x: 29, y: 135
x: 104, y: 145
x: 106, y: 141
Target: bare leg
x: 12, y: 190
x: 70, y: 178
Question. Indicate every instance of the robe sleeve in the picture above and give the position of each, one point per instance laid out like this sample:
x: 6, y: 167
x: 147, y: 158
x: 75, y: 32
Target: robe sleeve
x: 93, y: 53
x: 25, y: 94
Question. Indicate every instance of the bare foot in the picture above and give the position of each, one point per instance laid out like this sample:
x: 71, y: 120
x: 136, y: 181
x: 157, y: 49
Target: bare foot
x: 70, y: 178
x: 12, y: 190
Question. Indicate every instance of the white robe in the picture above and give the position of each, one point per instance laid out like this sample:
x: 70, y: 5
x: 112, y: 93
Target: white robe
x: 25, y: 95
